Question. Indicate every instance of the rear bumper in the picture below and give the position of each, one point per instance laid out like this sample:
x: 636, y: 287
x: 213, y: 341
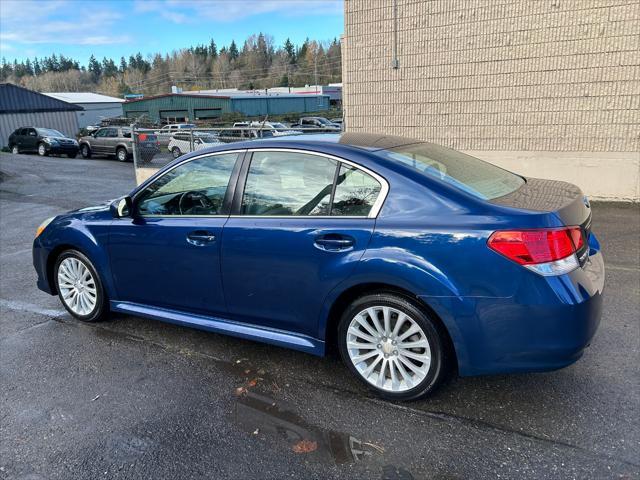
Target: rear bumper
x: 545, y: 326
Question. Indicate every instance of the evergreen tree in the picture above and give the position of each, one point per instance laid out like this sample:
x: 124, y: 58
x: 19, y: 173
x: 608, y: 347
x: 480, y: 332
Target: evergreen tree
x: 213, y: 50
x: 123, y: 65
x: 94, y: 68
x: 290, y: 50
x: 233, y: 50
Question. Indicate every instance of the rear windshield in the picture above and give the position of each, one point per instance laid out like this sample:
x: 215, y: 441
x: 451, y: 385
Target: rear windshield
x: 468, y: 173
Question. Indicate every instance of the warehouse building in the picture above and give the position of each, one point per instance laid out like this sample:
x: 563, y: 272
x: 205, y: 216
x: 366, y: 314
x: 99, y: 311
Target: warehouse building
x: 96, y: 107
x: 547, y: 89
x: 205, y: 105
x: 20, y: 107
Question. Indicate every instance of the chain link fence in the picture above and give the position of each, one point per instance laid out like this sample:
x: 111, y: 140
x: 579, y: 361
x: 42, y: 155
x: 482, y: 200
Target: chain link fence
x: 153, y: 148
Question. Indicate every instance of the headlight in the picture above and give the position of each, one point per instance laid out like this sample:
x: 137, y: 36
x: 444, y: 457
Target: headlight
x: 50, y: 141
x: 75, y: 142
x: 43, y: 225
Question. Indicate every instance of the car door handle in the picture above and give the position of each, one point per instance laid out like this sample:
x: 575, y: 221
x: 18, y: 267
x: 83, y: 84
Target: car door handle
x: 200, y: 238
x: 334, y: 243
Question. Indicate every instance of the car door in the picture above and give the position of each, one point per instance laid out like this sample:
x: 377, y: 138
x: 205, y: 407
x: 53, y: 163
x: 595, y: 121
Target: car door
x: 30, y: 139
x: 110, y: 141
x: 97, y: 143
x: 293, y: 237
x: 168, y: 253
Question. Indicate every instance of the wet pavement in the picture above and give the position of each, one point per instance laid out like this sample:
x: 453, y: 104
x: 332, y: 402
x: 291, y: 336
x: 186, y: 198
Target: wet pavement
x: 135, y: 398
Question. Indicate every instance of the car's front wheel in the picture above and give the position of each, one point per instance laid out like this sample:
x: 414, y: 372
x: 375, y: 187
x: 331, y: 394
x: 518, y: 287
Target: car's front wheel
x: 85, y: 151
x: 15, y: 150
x: 42, y: 150
x: 392, y: 346
x: 79, y: 286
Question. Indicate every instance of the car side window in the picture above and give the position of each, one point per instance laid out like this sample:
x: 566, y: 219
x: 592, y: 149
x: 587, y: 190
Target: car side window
x: 288, y: 183
x: 356, y: 192
x: 101, y: 133
x: 31, y: 132
x: 111, y: 132
x: 196, y: 187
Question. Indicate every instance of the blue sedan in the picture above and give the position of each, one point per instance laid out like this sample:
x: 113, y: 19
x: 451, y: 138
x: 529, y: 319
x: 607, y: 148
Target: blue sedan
x: 412, y: 259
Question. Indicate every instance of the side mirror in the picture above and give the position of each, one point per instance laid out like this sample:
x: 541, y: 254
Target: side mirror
x: 122, y: 207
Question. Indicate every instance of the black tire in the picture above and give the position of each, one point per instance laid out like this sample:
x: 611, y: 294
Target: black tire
x: 42, y: 150
x: 175, y: 151
x: 14, y: 149
x: 101, y: 308
x: 85, y: 151
x: 438, y: 366
x: 122, y: 155
x: 72, y: 155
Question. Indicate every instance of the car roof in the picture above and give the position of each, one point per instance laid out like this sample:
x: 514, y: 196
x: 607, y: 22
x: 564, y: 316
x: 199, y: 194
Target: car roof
x: 362, y: 141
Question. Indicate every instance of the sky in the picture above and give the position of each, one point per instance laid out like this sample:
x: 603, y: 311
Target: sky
x: 115, y: 28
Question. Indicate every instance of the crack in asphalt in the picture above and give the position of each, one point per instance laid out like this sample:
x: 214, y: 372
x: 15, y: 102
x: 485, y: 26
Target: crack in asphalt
x: 435, y: 415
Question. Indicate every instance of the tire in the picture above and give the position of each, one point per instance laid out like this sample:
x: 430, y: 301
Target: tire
x: 65, y: 276
x: 15, y: 150
x: 122, y: 155
x: 72, y: 155
x: 42, y: 150
x: 428, y: 359
x: 85, y: 151
x: 175, y: 151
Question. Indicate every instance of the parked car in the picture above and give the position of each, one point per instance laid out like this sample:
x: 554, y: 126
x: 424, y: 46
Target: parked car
x: 43, y: 141
x: 414, y: 259
x: 317, y: 124
x: 164, y: 134
x: 116, y: 141
x: 338, y: 121
x: 182, y: 143
x: 234, y: 134
x: 277, y: 129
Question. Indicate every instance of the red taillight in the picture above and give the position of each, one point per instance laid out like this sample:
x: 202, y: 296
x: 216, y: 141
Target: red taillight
x: 142, y: 137
x: 530, y: 247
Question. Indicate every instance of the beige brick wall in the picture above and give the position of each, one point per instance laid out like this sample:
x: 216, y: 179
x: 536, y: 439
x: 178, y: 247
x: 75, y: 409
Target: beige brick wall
x: 497, y: 75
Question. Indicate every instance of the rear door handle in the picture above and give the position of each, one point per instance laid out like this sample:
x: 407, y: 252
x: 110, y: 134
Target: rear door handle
x: 200, y: 238
x: 334, y: 243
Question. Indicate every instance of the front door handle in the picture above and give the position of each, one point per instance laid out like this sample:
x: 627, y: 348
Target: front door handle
x: 334, y: 242
x: 200, y: 238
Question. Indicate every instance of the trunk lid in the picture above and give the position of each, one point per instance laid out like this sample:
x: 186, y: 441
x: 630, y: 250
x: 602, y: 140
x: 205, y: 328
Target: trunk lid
x: 564, y: 199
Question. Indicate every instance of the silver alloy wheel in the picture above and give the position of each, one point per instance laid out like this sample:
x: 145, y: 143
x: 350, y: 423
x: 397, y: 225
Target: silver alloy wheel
x: 77, y: 286
x: 15, y: 150
x: 42, y: 150
x: 122, y: 155
x: 85, y: 151
x: 388, y: 348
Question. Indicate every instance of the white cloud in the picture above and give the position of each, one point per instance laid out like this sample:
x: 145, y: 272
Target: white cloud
x: 183, y: 11
x: 28, y: 22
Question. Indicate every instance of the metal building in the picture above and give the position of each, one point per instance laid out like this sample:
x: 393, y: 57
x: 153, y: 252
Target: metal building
x: 21, y: 107
x: 188, y: 107
x: 96, y: 106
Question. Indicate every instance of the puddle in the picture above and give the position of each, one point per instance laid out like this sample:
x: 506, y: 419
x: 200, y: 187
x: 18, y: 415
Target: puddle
x: 263, y: 416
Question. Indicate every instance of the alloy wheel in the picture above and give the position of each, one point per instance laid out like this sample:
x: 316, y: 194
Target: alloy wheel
x: 77, y: 286
x: 42, y: 150
x: 15, y: 150
x: 122, y: 155
x: 388, y: 348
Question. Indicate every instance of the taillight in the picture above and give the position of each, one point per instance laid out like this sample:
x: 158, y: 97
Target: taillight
x: 547, y: 251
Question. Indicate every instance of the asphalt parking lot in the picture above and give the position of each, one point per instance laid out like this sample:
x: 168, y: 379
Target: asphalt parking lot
x: 135, y: 398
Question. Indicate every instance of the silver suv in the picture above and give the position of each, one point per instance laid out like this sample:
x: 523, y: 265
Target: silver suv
x: 116, y: 141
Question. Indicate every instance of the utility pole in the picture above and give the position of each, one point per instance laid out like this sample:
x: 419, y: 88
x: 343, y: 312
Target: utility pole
x: 315, y: 75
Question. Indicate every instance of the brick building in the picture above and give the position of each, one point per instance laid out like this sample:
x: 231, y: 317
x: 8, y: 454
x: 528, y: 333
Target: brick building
x: 547, y: 88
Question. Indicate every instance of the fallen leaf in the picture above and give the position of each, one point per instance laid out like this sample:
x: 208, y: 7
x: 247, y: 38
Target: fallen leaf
x: 241, y: 391
x: 305, y: 446
x: 95, y: 398
x: 257, y: 431
x: 374, y: 446
x: 247, y: 371
x: 252, y: 383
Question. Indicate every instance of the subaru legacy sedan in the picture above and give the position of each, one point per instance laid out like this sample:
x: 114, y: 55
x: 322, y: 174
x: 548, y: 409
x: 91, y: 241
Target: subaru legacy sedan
x: 412, y: 259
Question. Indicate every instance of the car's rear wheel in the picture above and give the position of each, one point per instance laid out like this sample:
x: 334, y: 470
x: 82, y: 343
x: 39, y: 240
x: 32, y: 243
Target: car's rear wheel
x: 79, y: 286
x: 42, y: 150
x: 122, y: 155
x: 15, y: 150
x: 392, y: 346
x: 85, y: 151
x: 176, y: 152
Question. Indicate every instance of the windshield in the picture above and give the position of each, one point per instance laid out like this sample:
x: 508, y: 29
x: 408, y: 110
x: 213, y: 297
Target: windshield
x: 49, y: 132
x: 278, y: 125
x: 468, y: 173
x: 323, y: 121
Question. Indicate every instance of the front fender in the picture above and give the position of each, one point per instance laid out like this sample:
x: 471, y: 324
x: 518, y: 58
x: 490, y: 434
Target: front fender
x: 88, y: 235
